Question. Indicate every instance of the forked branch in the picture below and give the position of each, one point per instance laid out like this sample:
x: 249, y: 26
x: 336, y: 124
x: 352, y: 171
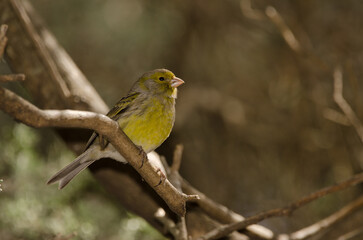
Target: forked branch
x: 343, y: 104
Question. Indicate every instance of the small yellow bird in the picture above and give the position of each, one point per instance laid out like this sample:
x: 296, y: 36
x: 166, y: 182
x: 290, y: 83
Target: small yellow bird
x: 146, y: 115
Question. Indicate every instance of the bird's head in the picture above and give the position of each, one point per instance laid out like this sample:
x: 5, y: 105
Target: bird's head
x: 159, y: 81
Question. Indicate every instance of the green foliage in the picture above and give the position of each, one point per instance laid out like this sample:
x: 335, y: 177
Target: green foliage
x: 32, y: 210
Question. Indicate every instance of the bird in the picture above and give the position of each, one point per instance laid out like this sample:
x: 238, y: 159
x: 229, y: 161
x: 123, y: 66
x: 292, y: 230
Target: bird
x: 146, y: 115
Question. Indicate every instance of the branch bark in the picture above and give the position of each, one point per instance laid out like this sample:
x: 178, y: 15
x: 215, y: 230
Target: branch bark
x: 27, y: 113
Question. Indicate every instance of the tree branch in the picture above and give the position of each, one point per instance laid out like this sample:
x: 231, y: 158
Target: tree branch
x: 285, y: 211
x: 178, y: 229
x: 326, y: 222
x: 286, y: 32
x: 12, y: 77
x: 3, y: 39
x: 351, y: 234
x: 275, y: 17
x: 223, y: 214
x: 343, y: 104
x: 336, y: 117
x: 249, y: 12
x: 27, y: 113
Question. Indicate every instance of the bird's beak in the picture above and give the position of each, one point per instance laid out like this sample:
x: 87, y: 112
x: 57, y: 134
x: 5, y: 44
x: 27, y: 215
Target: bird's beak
x: 176, y: 82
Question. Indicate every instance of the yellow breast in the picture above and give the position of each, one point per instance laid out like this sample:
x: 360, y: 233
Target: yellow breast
x: 152, y: 126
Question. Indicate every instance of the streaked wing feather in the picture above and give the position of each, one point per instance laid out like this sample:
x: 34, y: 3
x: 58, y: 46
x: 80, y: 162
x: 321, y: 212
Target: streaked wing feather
x: 121, y: 106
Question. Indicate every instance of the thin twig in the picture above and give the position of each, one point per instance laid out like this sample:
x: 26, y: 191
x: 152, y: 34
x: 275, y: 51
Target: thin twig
x: 286, y: 32
x: 182, y: 233
x: 39, y: 44
x: 343, y: 104
x: 29, y: 114
x: 285, y: 211
x: 178, y: 153
x: 178, y: 229
x: 336, y: 117
x: 328, y: 221
x: 169, y: 224
x: 351, y: 234
x: 249, y: 12
x: 303, y: 50
x: 182, y: 229
x: 276, y: 19
x: 3, y: 42
x: 12, y: 77
x: 3, y: 39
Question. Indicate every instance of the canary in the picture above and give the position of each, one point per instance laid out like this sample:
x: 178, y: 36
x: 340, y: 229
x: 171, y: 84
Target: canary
x: 146, y: 115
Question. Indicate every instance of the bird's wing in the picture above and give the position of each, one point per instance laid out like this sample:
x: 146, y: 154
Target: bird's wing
x: 120, y: 107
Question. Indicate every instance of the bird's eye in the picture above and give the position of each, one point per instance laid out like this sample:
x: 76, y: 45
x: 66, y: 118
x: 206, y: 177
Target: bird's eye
x: 161, y: 78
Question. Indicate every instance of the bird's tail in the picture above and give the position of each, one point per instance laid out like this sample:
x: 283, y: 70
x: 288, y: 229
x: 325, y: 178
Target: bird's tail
x: 65, y: 175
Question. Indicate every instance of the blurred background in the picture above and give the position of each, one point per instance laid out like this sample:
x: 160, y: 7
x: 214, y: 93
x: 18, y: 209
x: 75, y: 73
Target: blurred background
x: 256, y: 115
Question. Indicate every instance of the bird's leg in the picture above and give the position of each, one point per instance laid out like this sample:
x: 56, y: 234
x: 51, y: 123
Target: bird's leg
x: 144, y: 155
x: 162, y: 176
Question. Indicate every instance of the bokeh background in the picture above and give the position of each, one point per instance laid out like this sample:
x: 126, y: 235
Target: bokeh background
x: 256, y: 117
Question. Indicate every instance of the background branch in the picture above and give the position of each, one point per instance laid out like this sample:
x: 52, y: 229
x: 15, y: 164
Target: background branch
x: 3, y: 39
x: 351, y: 234
x: 12, y: 77
x: 223, y: 214
x: 343, y: 104
x: 285, y: 211
x: 325, y: 223
x: 286, y: 32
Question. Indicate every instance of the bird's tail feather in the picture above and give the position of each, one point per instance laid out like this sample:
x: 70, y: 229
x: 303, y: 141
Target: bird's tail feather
x: 65, y: 175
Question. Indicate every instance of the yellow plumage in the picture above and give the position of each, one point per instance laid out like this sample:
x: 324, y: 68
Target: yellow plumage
x: 152, y: 127
x: 146, y: 115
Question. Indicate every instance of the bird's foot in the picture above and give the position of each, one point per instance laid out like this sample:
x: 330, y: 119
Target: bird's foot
x: 162, y: 177
x: 143, y: 154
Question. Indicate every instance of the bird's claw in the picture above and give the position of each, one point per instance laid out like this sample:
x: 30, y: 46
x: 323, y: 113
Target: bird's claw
x: 162, y: 177
x: 144, y: 156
